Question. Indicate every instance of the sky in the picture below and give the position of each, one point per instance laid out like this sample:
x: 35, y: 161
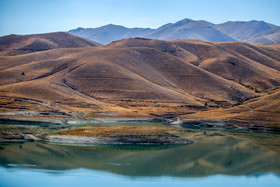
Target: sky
x: 42, y: 16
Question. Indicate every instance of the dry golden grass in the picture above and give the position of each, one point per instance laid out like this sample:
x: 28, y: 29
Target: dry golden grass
x: 262, y: 111
x: 249, y: 64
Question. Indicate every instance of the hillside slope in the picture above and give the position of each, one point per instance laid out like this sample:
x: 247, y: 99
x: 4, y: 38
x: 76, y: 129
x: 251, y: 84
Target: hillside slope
x: 262, y: 110
x: 245, y: 64
x: 142, y: 77
x: 22, y: 44
x: 269, y: 36
x: 243, y: 30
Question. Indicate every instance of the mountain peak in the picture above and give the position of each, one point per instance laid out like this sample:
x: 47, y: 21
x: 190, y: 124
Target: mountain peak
x: 256, y: 21
x: 112, y: 26
x: 186, y: 20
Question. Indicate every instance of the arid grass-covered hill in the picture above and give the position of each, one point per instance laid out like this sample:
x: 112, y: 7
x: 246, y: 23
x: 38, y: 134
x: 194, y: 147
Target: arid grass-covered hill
x: 137, y: 77
x: 23, y: 44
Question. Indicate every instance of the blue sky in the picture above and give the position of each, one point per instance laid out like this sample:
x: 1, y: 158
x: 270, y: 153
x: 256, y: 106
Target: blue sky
x: 41, y: 16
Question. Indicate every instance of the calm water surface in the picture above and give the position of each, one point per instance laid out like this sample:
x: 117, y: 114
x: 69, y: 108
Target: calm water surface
x: 218, y: 157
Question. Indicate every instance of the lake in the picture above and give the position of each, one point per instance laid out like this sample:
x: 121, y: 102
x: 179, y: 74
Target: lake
x: 218, y: 157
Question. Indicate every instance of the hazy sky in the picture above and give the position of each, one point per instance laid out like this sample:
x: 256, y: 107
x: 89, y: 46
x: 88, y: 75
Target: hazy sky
x: 40, y: 16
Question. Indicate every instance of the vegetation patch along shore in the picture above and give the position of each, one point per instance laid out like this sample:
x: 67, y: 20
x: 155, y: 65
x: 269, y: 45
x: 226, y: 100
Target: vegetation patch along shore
x: 118, y: 135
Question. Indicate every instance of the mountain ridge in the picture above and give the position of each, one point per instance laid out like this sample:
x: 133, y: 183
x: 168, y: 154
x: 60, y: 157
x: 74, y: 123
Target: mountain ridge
x: 231, y: 31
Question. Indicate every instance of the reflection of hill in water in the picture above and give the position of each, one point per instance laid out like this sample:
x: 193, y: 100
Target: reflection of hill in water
x: 128, y: 147
x: 194, y: 160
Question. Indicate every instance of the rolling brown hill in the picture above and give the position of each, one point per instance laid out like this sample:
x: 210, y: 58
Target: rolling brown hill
x: 22, y: 44
x: 135, y: 74
x: 253, y: 65
x: 261, y: 110
x: 257, y: 113
x: 140, y: 77
x: 246, y: 64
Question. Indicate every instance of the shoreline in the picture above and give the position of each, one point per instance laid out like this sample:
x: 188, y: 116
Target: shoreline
x: 143, y: 135
x: 210, y: 123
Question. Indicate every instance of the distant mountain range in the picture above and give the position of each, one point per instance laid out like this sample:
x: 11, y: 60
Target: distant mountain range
x: 232, y: 31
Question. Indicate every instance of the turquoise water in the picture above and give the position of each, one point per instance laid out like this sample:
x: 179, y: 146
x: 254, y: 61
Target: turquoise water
x: 217, y: 158
x: 84, y: 177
